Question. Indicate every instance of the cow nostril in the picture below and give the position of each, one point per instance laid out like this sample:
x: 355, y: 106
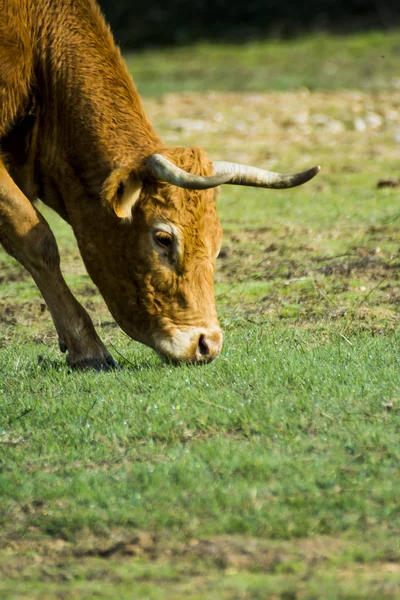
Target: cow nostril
x: 203, y: 346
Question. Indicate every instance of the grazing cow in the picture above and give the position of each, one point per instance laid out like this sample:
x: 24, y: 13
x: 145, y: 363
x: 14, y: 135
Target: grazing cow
x: 74, y: 134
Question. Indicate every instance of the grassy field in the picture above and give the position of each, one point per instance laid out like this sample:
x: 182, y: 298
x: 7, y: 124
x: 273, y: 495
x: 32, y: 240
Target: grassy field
x: 274, y: 471
x: 364, y: 61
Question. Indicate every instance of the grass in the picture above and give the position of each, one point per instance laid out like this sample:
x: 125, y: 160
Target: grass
x: 274, y: 471
x: 293, y: 446
x: 367, y: 61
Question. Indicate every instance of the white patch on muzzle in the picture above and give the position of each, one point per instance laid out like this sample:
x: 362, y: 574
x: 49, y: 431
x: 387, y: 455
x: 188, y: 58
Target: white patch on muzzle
x: 197, y: 344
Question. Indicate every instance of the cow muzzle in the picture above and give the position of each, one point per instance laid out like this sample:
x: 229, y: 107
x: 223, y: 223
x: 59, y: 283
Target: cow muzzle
x: 195, y: 345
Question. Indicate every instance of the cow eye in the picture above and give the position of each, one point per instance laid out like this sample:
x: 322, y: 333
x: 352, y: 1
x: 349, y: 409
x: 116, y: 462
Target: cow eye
x: 164, y: 240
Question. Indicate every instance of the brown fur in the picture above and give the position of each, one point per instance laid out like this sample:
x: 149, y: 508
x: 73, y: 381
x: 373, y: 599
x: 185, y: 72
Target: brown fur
x: 73, y: 132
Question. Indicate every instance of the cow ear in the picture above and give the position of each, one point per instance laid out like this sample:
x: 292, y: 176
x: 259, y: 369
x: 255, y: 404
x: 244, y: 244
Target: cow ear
x: 127, y: 195
x: 121, y: 191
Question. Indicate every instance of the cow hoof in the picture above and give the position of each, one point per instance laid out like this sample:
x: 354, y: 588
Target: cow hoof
x: 112, y: 364
x: 108, y: 364
x: 104, y: 364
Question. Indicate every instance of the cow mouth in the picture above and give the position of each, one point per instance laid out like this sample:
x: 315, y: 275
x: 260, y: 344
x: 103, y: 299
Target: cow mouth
x: 178, y: 362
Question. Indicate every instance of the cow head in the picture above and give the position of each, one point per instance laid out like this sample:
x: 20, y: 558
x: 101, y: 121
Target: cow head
x: 166, y: 238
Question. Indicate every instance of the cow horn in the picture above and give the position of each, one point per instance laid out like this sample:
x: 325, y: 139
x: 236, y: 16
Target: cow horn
x: 163, y: 169
x: 253, y: 177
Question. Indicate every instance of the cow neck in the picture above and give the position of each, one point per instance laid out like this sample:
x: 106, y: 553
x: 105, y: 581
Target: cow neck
x: 93, y: 120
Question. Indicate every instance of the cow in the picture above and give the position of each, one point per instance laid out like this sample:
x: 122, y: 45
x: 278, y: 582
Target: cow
x: 74, y: 134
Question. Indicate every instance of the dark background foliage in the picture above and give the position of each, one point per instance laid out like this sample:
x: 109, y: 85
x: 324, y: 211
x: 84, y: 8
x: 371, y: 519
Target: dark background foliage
x: 168, y: 22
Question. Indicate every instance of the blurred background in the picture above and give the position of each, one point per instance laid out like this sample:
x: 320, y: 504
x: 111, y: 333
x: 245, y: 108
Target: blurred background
x: 158, y: 23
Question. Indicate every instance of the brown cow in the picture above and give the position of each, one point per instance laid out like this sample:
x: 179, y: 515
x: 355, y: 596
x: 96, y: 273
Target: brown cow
x: 74, y: 134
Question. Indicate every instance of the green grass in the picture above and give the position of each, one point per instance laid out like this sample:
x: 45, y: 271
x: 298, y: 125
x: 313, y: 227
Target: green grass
x: 274, y: 471
x: 294, y: 446
x: 289, y: 435
x: 368, y: 61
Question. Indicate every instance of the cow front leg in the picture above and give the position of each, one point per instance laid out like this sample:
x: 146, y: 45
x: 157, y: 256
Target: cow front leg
x: 25, y: 234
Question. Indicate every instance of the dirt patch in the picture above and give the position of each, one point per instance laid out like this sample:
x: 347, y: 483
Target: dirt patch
x: 13, y: 275
x: 12, y: 312
x: 388, y: 183
x: 58, y: 560
x: 7, y: 314
x: 376, y: 268
x: 222, y: 552
x: 140, y: 544
x: 237, y: 264
x: 344, y: 129
x: 259, y: 555
x: 88, y: 290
